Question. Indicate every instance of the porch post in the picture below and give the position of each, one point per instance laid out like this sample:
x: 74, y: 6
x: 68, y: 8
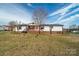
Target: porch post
x: 50, y: 29
x: 39, y: 29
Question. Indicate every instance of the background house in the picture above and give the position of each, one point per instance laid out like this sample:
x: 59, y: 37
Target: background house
x: 1, y: 28
x: 7, y: 28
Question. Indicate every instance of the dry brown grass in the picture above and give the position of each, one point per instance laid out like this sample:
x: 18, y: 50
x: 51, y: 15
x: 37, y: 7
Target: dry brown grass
x: 42, y: 45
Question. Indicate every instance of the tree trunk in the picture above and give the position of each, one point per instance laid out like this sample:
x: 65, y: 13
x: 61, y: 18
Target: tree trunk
x: 39, y: 29
x: 50, y: 30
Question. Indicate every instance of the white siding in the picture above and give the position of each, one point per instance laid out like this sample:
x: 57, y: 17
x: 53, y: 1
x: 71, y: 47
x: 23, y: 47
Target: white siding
x: 46, y: 28
x: 15, y: 29
x: 57, y: 28
x: 6, y: 28
x: 23, y: 28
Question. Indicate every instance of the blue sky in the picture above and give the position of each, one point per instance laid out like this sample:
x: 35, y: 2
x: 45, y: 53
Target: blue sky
x: 58, y: 13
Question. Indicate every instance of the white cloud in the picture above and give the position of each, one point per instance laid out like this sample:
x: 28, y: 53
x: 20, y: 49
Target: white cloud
x: 70, y: 19
x: 63, y: 10
x: 60, y: 18
x: 15, y: 13
x: 29, y: 4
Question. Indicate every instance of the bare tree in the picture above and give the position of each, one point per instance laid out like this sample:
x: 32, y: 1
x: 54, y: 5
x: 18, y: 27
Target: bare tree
x: 12, y: 24
x: 39, y: 16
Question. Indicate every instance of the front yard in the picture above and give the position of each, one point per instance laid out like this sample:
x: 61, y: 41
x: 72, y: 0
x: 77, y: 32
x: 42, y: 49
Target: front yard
x: 14, y: 44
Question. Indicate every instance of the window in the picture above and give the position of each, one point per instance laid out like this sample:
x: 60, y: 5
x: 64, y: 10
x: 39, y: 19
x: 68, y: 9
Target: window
x: 31, y: 27
x: 42, y: 27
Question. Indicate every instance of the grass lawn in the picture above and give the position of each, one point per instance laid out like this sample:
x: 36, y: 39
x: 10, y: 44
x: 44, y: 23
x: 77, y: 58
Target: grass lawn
x: 27, y: 44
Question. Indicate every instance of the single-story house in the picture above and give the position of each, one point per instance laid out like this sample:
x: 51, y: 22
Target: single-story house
x: 42, y: 28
